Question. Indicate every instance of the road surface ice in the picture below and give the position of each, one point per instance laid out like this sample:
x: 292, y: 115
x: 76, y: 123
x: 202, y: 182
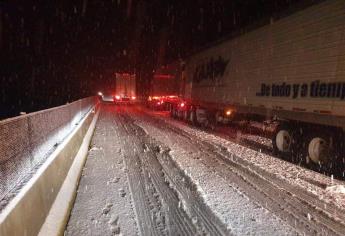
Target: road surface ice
x: 148, y: 175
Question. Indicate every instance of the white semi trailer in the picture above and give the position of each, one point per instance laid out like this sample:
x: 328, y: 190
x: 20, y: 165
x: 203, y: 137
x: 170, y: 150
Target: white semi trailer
x: 290, y: 72
x: 125, y: 87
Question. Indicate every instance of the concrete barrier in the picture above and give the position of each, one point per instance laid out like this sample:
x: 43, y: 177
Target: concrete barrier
x: 28, y: 140
x: 27, y: 212
x: 59, y: 213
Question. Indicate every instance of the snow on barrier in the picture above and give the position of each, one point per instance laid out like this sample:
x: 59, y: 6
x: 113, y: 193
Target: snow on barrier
x: 26, y: 141
x: 28, y: 210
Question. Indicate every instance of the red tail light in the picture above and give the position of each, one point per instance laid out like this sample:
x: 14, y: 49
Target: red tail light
x: 117, y: 97
x: 182, y: 104
x: 133, y: 97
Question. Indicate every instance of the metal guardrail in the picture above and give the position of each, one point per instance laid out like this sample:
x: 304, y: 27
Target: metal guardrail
x: 26, y: 142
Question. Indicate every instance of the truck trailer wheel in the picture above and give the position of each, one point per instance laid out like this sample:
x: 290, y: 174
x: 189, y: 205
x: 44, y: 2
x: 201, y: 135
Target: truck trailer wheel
x: 219, y: 118
x: 285, y: 141
x: 192, y: 117
x: 282, y: 140
x: 185, y: 115
x: 173, y: 111
x: 179, y: 114
x: 324, y: 150
x: 319, y: 150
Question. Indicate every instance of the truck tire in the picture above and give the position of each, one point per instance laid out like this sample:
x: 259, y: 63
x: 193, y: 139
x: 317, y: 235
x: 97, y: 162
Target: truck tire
x: 180, y: 114
x: 185, y: 115
x: 173, y: 111
x: 323, y: 150
x: 319, y: 150
x: 212, y: 120
x: 176, y: 113
x: 285, y: 141
x: 219, y: 119
x: 282, y: 139
x: 192, y: 117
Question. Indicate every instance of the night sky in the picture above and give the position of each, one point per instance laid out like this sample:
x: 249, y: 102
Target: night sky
x: 53, y: 52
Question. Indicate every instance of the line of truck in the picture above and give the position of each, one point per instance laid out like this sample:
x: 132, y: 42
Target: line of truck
x: 289, y: 75
x: 124, y: 90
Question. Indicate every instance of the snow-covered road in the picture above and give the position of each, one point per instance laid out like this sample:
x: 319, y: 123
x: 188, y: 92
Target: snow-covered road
x: 150, y: 175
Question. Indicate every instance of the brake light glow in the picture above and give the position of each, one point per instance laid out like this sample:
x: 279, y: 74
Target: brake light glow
x: 133, y: 97
x: 117, y: 97
x: 228, y: 112
x: 182, y: 104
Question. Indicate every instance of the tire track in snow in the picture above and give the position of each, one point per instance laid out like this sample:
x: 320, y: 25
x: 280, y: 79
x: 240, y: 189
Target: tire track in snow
x: 202, y: 221
x: 146, y: 222
x: 300, y: 209
x: 178, y: 220
x: 294, y: 205
x: 189, y: 193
